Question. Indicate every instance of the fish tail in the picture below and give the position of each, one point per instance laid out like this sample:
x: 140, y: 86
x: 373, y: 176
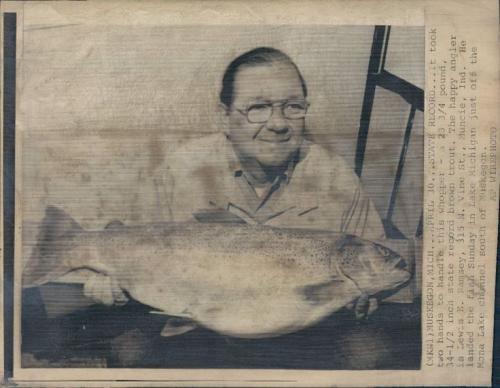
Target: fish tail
x: 56, y: 236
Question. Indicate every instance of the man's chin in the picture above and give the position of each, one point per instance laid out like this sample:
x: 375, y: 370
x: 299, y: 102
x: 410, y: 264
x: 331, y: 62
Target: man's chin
x: 273, y: 163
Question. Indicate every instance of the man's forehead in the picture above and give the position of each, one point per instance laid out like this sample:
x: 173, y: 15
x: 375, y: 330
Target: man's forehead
x: 268, y: 81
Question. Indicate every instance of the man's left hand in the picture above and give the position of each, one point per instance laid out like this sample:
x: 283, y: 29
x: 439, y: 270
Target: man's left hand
x: 104, y: 289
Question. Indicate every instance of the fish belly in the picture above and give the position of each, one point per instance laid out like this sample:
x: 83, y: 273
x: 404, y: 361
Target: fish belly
x: 250, y: 292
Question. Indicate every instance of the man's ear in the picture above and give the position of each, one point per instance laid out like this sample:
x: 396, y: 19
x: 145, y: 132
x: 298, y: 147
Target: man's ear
x: 223, y: 117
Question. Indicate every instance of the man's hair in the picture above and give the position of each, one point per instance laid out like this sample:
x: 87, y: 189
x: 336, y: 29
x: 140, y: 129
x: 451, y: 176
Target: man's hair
x: 257, y: 56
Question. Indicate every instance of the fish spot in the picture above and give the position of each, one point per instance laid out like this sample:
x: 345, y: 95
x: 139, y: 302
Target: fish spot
x: 288, y: 262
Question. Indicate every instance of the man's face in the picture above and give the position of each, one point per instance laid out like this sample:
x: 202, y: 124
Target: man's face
x: 271, y: 143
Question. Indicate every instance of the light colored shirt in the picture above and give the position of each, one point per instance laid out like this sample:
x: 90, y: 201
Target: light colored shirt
x: 319, y: 191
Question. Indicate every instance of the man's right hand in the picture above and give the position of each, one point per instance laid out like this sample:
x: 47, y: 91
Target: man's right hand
x: 104, y: 289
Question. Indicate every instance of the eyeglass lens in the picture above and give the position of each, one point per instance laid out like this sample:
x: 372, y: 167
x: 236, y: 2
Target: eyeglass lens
x: 260, y: 113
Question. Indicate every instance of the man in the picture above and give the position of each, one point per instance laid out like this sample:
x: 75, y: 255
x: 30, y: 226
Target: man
x: 260, y: 167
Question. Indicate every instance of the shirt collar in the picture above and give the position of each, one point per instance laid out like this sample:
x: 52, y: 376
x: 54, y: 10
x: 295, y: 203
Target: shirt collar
x: 236, y: 169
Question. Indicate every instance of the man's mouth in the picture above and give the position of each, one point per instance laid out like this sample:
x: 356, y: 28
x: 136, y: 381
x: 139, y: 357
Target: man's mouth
x: 275, y: 140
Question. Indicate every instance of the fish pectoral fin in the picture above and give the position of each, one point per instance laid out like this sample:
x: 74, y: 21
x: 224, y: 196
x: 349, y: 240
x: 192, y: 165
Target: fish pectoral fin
x: 177, y: 326
x: 323, y: 293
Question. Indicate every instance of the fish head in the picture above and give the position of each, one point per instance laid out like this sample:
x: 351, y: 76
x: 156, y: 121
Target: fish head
x: 372, y: 266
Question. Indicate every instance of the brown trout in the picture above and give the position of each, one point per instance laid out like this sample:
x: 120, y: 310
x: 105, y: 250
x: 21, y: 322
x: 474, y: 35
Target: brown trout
x: 238, y: 280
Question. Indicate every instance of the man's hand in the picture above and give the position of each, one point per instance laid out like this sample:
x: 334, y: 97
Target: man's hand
x: 363, y: 307
x: 104, y: 289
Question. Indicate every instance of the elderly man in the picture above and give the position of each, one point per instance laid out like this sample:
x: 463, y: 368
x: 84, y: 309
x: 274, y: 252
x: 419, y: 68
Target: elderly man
x: 260, y: 168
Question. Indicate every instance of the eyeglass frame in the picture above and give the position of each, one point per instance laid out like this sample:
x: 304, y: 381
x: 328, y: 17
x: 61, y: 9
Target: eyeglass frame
x: 281, y: 103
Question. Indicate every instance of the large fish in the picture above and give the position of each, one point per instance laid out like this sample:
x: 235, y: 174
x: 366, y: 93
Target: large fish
x: 238, y: 280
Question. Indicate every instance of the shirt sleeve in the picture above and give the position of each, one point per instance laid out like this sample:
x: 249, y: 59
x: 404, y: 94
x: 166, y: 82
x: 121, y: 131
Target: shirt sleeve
x: 361, y: 218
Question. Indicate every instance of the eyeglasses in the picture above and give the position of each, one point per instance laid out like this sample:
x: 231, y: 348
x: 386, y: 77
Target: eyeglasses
x: 261, y: 112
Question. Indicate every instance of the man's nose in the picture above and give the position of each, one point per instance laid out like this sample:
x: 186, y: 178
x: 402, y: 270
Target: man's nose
x: 277, y: 122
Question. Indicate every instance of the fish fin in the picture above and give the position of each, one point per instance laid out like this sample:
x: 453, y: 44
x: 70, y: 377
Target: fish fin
x: 322, y: 293
x: 55, y: 235
x: 177, y: 326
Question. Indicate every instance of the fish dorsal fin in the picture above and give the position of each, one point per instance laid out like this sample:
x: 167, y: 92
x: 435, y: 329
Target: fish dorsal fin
x: 55, y: 236
x: 177, y: 326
